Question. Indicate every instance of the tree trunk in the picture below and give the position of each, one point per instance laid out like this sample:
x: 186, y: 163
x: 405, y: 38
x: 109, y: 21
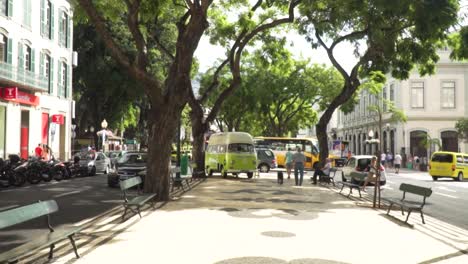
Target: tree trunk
x: 163, y: 123
x: 199, y: 128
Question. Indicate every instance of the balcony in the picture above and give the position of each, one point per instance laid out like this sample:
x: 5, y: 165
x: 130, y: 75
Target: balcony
x: 13, y: 76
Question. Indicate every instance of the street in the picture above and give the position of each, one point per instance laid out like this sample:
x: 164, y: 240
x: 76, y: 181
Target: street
x: 82, y: 199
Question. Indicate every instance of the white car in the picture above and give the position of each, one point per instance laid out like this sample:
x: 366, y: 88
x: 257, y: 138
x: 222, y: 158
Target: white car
x: 360, y: 163
x: 95, y: 162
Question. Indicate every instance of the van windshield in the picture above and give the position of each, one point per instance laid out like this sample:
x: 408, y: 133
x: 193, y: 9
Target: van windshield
x: 241, y: 147
x: 448, y: 158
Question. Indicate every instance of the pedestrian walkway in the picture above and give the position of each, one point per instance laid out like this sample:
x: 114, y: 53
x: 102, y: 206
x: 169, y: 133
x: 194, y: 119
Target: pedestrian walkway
x: 230, y: 221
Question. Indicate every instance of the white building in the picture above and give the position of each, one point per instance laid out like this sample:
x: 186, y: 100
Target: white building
x: 433, y: 104
x: 35, y: 76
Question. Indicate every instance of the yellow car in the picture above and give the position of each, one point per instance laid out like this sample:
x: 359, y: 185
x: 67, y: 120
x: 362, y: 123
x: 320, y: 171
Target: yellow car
x: 449, y: 164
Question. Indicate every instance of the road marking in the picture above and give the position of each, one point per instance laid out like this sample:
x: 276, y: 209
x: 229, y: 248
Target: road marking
x: 446, y: 195
x: 446, y: 189
x: 65, y: 194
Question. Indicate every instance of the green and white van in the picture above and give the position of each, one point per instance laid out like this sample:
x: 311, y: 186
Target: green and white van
x: 230, y: 152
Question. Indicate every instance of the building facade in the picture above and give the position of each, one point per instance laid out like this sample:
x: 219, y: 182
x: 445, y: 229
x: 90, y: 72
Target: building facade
x: 35, y: 76
x: 432, y: 104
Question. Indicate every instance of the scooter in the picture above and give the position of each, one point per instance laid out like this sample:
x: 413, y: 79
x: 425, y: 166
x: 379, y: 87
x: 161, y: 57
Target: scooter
x: 9, y: 174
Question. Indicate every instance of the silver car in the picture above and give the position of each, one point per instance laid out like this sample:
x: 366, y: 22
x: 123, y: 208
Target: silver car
x: 95, y: 162
x: 360, y: 163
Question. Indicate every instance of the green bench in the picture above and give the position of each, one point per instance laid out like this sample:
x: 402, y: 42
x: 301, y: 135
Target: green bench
x: 329, y: 178
x: 357, y: 176
x: 178, y: 181
x: 136, y: 201
x: 410, y: 205
x: 26, y: 213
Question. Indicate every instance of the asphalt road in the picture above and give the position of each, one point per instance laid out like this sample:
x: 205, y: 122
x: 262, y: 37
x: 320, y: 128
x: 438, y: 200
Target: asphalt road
x: 78, y: 199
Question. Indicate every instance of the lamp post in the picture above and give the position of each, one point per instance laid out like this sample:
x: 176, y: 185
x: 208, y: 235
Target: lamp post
x: 91, y: 129
x: 73, y: 136
x: 377, y: 178
x: 104, y: 126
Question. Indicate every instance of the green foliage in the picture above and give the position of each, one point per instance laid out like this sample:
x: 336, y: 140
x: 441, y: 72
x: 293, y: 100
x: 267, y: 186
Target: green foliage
x: 278, y: 95
x: 462, y: 128
x: 459, y: 44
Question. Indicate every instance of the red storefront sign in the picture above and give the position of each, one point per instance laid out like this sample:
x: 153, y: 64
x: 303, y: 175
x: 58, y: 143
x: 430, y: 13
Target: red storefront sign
x: 15, y: 95
x: 58, y: 119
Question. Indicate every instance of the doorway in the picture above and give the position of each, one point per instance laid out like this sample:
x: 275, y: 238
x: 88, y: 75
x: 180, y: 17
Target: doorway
x: 24, y: 140
x: 62, y: 137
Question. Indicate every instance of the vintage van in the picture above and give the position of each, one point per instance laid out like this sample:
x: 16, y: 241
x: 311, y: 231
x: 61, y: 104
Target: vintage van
x: 448, y: 164
x: 230, y: 152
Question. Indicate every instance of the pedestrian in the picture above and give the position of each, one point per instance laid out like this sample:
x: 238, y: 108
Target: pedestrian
x: 289, y: 162
x: 416, y: 162
x: 298, y: 159
x: 389, y: 159
x: 38, y: 151
x: 45, y: 153
x: 324, y: 171
x: 397, y: 163
x: 349, y: 154
x: 372, y: 175
x: 382, y: 158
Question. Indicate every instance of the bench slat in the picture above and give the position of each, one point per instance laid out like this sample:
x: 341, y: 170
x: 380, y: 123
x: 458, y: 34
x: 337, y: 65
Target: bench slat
x: 405, y: 187
x: 129, y: 183
x: 27, y: 212
x: 139, y: 200
x: 38, y: 242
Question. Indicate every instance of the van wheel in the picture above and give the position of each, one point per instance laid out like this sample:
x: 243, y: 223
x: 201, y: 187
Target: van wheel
x: 249, y: 175
x: 434, y: 178
x: 460, y: 176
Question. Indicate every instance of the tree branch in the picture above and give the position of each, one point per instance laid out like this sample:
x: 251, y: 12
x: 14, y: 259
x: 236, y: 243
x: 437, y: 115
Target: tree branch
x: 215, y: 83
x: 133, y: 25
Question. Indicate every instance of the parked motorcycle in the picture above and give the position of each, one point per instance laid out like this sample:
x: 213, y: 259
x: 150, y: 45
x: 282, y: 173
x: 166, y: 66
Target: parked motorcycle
x: 73, y: 167
x: 9, y: 175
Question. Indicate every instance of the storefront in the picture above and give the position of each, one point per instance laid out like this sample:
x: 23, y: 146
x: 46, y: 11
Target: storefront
x: 2, y: 130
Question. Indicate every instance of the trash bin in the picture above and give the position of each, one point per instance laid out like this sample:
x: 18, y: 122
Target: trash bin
x: 409, y: 165
x: 184, y: 164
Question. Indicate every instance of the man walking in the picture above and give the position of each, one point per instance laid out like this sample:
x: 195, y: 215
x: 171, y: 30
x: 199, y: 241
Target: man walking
x: 289, y: 162
x: 298, y: 159
x: 397, y: 162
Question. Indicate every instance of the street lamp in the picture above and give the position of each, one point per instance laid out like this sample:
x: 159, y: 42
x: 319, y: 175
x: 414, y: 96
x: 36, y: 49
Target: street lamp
x: 91, y: 129
x: 104, y: 126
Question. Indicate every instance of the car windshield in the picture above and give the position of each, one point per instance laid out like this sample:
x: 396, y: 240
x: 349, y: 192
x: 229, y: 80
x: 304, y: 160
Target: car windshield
x: 139, y: 158
x: 87, y: 155
x: 446, y: 158
x: 239, y: 147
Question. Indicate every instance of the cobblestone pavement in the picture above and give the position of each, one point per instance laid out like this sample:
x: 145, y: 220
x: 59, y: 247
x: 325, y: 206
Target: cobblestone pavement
x: 235, y: 220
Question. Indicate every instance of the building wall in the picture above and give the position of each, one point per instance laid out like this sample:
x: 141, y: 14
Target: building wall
x: 432, y: 118
x: 14, y: 28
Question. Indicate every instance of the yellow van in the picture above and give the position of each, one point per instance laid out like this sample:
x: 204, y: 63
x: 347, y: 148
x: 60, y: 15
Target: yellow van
x: 230, y: 152
x: 448, y: 164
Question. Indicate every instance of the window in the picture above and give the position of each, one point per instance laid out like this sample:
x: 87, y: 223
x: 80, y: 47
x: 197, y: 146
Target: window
x: 63, y: 84
x: 63, y: 36
x: 27, y: 13
x: 417, y: 95
x: 3, y: 7
x: 448, y: 95
x: 3, y: 48
x: 48, y: 20
x: 27, y: 58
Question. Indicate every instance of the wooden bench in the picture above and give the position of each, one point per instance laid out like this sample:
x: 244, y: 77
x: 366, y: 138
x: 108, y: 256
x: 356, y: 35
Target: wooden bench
x: 47, y: 239
x: 410, y: 205
x: 329, y: 178
x: 358, y: 177
x: 138, y: 200
x: 178, y: 179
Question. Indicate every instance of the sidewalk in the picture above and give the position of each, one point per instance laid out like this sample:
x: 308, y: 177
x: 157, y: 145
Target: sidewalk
x: 231, y: 221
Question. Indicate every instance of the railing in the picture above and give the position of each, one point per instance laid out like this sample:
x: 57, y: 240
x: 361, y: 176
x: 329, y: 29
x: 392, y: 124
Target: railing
x: 23, y: 78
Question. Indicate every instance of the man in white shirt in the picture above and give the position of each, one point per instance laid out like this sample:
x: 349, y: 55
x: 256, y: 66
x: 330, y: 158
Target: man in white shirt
x: 397, y: 162
x: 382, y: 158
x: 325, y: 171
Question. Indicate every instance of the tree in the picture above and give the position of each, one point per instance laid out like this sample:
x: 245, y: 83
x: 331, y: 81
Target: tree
x: 462, y: 128
x: 256, y: 20
x: 163, y: 36
x: 99, y: 77
x: 387, y: 37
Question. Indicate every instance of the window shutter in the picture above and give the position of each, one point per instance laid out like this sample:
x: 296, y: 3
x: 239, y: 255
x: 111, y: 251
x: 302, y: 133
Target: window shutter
x: 10, y: 8
x: 69, y: 32
x: 41, y: 64
x: 52, y: 21
x: 51, y: 76
x: 20, y: 56
x: 33, y: 61
x: 43, y: 18
x: 69, y: 81
x: 10, y: 51
x: 59, y: 78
